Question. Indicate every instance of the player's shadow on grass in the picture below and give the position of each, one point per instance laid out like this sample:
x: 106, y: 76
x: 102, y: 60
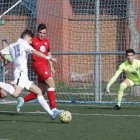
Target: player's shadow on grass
x: 111, y: 108
x: 26, y: 121
x: 99, y: 108
x: 10, y: 114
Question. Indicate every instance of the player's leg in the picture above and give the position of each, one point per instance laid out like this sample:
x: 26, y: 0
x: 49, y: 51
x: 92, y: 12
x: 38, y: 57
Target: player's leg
x: 14, y: 91
x: 42, y: 101
x: 3, y: 94
x: 44, y: 75
x: 40, y: 70
x: 36, y: 90
x: 126, y: 83
x: 51, y: 95
x: 51, y: 92
x: 27, y: 98
x: 32, y: 96
x: 18, y: 90
x: 22, y: 81
x: 19, y: 84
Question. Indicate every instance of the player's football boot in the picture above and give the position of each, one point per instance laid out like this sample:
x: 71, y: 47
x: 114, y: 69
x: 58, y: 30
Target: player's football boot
x: 20, y: 103
x: 54, y: 110
x: 56, y: 113
x: 116, y: 107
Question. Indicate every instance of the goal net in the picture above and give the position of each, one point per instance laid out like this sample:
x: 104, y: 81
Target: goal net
x: 88, y: 38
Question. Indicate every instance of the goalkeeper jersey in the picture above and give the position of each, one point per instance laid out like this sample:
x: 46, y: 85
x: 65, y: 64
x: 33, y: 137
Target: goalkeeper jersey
x: 132, y: 72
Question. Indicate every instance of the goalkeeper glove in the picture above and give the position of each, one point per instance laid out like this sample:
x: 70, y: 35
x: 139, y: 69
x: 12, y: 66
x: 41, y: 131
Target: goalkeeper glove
x: 107, y: 90
x: 8, y: 57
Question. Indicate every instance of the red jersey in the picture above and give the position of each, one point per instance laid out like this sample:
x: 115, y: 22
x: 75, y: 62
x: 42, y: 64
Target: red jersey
x: 42, y: 46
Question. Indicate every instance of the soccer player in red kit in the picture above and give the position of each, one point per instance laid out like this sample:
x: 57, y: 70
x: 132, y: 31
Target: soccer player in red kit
x: 43, y: 69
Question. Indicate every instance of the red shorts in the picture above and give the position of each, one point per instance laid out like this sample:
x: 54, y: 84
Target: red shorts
x: 42, y: 70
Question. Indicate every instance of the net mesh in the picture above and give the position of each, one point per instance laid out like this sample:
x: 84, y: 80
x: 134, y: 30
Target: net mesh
x: 78, y: 28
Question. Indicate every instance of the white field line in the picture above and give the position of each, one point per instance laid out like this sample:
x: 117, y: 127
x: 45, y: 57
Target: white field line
x: 75, y: 114
x: 107, y: 115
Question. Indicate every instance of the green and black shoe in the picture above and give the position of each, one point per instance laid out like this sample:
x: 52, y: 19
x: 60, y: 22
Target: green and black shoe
x: 116, y: 107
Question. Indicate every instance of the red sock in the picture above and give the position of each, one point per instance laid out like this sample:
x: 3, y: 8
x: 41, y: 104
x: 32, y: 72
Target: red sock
x: 30, y: 96
x: 51, y: 98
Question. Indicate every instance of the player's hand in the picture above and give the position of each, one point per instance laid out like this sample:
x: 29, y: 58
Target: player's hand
x: 107, y: 91
x: 5, y: 62
x: 52, y: 71
x: 8, y: 57
x: 53, y: 59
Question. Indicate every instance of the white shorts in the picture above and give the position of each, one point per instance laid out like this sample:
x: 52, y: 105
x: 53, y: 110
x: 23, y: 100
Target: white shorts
x: 22, y: 80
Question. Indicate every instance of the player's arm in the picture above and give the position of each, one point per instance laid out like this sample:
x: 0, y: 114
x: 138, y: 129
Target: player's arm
x: 51, y: 64
x: 43, y: 55
x: 113, y: 79
x: 29, y: 49
x: 2, y: 56
x: 6, y: 49
x: 5, y: 57
x: 5, y: 61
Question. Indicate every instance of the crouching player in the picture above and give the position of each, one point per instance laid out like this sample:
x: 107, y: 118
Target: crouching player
x: 131, y: 67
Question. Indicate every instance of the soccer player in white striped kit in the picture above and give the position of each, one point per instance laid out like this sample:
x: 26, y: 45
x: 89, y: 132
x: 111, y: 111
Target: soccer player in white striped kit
x: 19, y: 52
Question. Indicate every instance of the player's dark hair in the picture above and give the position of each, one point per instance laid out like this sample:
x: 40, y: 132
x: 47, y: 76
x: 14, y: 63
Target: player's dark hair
x: 41, y: 27
x: 27, y: 33
x: 130, y: 51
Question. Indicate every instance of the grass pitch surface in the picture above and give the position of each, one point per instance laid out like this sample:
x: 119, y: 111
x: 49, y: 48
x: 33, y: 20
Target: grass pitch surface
x: 89, y: 122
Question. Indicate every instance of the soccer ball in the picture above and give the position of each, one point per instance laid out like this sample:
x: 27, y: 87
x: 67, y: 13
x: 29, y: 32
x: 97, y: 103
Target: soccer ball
x: 65, y: 117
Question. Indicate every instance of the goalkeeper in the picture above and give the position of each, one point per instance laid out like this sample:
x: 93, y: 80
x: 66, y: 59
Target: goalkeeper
x: 131, y: 67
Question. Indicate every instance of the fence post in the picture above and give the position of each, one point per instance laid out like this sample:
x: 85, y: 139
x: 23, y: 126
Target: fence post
x: 97, y: 57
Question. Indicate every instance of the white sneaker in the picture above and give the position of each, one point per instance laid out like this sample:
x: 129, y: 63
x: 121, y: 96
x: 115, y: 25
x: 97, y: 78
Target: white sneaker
x: 56, y: 113
x: 20, y: 103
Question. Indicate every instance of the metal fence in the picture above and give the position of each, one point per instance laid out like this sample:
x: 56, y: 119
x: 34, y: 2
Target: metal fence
x: 88, y: 37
